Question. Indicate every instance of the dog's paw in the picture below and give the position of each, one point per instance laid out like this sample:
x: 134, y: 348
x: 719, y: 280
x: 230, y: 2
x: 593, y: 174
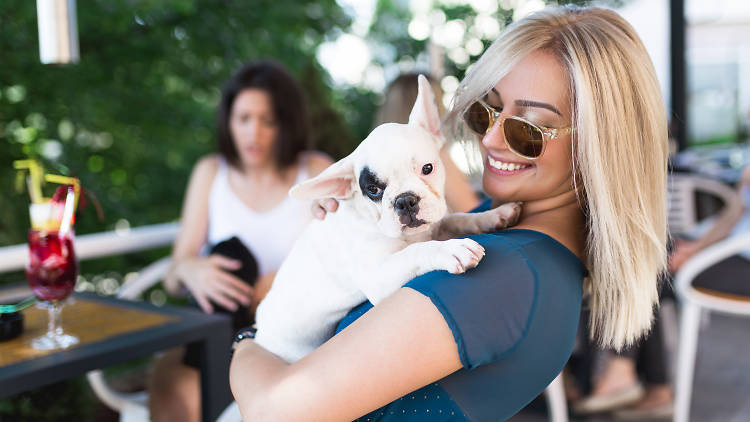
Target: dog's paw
x: 458, y: 255
x: 506, y: 215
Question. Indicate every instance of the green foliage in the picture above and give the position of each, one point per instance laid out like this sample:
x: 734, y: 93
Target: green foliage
x: 136, y: 113
x: 70, y: 400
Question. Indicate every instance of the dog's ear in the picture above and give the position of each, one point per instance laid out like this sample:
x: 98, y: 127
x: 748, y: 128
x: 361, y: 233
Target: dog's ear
x: 425, y: 111
x: 337, y: 181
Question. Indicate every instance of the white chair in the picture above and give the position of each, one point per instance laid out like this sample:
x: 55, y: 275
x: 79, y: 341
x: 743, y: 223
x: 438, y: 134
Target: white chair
x: 556, y: 402
x: 682, y: 209
x: 694, y: 302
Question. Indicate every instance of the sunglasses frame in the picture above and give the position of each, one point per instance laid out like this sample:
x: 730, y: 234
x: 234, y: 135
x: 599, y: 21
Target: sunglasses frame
x: 495, y: 116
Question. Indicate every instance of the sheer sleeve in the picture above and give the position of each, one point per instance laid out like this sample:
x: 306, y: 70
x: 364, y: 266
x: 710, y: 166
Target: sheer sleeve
x: 489, y: 307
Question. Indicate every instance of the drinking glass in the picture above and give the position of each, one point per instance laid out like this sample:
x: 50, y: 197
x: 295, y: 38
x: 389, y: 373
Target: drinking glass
x: 52, y: 271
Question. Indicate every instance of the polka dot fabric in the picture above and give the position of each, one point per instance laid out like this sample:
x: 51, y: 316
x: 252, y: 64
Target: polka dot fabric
x: 430, y: 403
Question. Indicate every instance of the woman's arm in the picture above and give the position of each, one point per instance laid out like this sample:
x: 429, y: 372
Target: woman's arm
x: 397, y: 347
x: 724, y: 224
x: 202, y: 275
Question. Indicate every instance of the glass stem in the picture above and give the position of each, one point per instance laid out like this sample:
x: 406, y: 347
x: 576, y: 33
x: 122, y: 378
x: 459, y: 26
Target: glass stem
x: 54, y: 325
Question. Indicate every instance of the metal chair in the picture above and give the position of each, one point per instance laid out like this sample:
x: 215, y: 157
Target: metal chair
x: 556, y: 403
x: 683, y: 219
x: 682, y: 208
x: 694, y: 302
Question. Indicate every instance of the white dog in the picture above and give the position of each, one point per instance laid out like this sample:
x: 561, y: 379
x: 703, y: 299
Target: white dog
x: 391, y: 211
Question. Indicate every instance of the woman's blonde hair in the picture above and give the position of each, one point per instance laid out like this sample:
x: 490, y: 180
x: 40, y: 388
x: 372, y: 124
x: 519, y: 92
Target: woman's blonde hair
x: 619, y: 153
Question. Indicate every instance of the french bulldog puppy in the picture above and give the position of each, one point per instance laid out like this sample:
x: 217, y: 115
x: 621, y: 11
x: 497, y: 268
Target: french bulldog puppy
x: 391, y: 212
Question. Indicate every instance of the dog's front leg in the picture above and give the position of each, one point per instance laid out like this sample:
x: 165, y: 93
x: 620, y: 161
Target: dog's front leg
x: 453, y: 255
x: 464, y: 224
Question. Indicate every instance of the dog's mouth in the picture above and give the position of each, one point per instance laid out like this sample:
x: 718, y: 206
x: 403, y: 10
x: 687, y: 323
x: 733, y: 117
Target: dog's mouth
x: 410, y: 221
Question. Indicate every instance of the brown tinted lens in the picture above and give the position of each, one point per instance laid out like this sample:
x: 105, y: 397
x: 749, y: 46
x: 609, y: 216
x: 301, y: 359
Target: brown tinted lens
x: 523, y: 138
x: 477, y: 118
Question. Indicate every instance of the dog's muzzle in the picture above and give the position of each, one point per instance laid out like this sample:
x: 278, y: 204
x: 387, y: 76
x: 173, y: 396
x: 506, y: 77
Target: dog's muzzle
x: 407, y: 207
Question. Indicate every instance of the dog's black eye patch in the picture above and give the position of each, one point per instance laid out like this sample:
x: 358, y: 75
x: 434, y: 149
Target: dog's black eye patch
x: 371, y: 186
x: 427, y: 169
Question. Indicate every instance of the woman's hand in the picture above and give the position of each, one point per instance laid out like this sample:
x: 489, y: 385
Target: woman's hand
x: 683, y: 250
x: 323, y: 206
x: 208, y: 281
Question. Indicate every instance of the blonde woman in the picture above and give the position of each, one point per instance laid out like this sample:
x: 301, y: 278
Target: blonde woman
x: 566, y: 107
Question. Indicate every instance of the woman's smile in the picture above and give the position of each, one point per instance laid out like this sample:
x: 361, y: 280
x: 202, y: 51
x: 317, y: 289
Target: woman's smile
x: 505, y: 167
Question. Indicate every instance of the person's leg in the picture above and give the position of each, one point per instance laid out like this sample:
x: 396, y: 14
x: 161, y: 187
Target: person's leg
x: 174, y: 389
x: 614, y: 386
x: 651, y: 363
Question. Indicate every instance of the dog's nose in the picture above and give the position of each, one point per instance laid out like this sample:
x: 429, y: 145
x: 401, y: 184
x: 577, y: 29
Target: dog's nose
x: 407, y: 203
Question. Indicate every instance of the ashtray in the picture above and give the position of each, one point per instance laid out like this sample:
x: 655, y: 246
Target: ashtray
x: 11, y: 325
x: 11, y: 319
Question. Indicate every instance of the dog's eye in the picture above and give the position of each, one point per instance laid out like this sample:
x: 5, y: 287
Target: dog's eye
x: 374, y: 190
x: 427, y: 169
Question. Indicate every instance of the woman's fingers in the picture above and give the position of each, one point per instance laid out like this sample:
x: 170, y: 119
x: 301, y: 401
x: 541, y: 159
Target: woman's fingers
x: 220, y: 297
x: 203, y: 302
x: 330, y: 205
x: 318, y: 211
x: 235, y: 282
x: 234, y: 288
x: 224, y: 262
x: 323, y: 206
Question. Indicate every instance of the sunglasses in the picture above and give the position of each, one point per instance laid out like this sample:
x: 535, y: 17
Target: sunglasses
x: 523, y: 138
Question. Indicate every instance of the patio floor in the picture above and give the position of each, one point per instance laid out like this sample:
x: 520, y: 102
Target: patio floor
x: 721, y: 390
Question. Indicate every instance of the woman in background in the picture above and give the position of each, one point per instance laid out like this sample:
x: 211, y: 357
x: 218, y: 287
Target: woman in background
x: 237, y: 202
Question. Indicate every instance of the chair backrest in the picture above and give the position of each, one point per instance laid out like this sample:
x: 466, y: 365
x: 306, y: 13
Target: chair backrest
x: 682, y: 215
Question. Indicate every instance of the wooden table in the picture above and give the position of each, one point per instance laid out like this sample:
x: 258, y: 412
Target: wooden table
x: 111, y: 332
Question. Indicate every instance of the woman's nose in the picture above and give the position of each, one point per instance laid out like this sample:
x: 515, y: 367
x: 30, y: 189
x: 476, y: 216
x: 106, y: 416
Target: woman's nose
x: 494, y: 137
x: 253, y: 127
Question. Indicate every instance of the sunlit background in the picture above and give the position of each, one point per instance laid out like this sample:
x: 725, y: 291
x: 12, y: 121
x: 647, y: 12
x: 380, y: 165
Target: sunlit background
x: 136, y: 112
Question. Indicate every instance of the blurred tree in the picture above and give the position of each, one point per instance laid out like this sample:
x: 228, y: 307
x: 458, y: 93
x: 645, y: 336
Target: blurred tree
x: 136, y: 113
x: 133, y: 116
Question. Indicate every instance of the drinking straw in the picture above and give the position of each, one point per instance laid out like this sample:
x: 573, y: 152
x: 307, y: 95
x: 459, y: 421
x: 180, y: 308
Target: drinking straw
x: 67, y: 218
x: 65, y: 180
x: 6, y: 309
x: 36, y: 172
x: 71, y: 199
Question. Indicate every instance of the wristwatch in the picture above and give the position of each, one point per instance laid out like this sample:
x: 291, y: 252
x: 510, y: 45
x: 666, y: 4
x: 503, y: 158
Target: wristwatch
x: 244, y: 333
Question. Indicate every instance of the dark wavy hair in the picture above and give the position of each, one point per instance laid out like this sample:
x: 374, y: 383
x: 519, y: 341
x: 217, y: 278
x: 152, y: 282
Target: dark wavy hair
x: 288, y: 102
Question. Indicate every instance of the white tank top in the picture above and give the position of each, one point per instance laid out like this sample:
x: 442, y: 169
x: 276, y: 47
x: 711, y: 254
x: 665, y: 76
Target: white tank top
x: 269, y: 234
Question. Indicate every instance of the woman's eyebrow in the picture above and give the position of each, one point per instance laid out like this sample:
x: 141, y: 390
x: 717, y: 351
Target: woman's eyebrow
x: 529, y: 103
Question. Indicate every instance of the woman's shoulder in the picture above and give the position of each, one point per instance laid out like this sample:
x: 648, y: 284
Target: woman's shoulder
x: 527, y: 244
x: 208, y: 165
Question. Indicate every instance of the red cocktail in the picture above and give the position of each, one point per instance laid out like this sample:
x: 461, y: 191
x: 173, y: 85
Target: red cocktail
x: 52, y: 271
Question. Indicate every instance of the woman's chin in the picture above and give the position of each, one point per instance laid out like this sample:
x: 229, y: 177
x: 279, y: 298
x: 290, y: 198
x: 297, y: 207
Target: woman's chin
x: 499, y: 192
x: 255, y: 160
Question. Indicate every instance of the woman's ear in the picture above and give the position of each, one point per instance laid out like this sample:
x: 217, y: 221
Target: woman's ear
x: 425, y: 111
x: 337, y: 181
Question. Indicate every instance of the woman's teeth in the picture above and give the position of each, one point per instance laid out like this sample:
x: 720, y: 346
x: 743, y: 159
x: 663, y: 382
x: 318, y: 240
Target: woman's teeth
x: 506, y: 166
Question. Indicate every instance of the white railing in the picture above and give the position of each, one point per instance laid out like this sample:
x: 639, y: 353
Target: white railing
x: 97, y: 245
